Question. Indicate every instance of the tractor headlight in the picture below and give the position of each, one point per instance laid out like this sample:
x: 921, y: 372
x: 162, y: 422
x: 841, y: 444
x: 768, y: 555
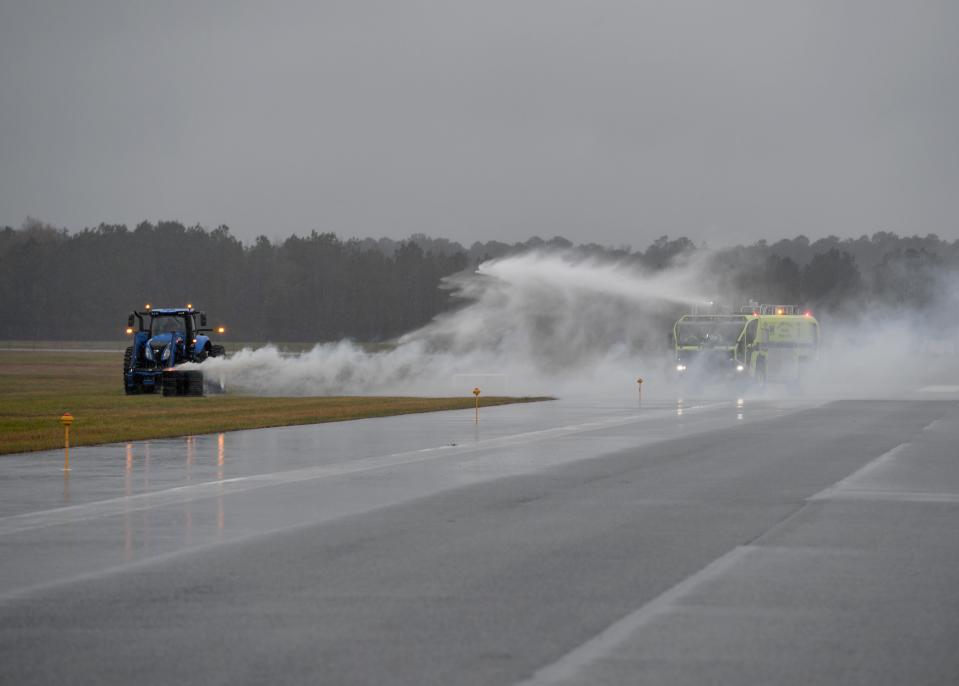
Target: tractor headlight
x: 739, y: 367
x: 148, y: 352
x: 167, y: 351
x: 680, y: 368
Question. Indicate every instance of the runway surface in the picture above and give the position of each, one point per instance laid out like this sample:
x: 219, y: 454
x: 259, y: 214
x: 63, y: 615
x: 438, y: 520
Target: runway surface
x: 711, y: 541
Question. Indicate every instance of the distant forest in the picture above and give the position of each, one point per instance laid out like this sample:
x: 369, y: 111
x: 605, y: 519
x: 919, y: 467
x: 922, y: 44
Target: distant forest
x: 60, y: 285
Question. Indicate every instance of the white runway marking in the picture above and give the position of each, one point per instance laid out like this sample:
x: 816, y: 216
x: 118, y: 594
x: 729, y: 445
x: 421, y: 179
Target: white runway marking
x: 211, y: 489
x: 603, y: 644
x: 847, y: 488
x: 615, y: 635
x: 845, y: 485
x: 891, y: 496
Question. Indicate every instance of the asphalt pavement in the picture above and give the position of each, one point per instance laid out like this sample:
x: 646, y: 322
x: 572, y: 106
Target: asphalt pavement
x: 726, y: 541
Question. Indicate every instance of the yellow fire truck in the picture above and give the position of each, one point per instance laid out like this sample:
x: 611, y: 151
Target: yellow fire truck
x: 774, y: 343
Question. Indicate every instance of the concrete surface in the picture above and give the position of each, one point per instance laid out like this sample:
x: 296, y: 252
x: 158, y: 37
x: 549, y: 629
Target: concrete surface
x: 714, y: 541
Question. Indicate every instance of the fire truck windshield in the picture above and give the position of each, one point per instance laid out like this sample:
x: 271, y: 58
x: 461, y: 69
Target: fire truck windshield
x: 708, y: 334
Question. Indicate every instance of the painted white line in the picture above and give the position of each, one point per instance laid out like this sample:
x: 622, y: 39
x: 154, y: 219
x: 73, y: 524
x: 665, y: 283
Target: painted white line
x: 939, y: 389
x: 210, y: 489
x: 846, y: 489
x: 603, y: 644
x: 141, y: 563
x: 892, y: 496
x: 844, y: 485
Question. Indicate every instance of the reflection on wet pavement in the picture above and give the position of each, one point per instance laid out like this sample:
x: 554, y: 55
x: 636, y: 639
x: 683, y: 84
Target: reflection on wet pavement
x: 125, y: 503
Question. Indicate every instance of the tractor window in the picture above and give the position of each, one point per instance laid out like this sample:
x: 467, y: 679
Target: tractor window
x: 751, y: 331
x: 168, y: 325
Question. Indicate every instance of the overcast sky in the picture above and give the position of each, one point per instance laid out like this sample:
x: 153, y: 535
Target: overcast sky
x: 613, y: 122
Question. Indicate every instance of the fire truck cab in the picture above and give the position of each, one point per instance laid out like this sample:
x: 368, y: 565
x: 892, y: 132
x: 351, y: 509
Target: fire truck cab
x: 778, y: 343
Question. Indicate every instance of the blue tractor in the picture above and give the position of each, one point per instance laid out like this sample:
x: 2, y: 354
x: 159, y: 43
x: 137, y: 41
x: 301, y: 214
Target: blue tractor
x: 162, y: 339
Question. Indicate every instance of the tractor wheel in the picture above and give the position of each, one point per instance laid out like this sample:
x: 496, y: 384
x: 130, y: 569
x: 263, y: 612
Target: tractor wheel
x: 127, y: 363
x: 217, y: 351
x: 194, y: 383
x: 171, y: 383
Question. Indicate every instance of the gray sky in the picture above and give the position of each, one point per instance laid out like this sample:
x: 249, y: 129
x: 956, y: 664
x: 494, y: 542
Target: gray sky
x: 602, y: 121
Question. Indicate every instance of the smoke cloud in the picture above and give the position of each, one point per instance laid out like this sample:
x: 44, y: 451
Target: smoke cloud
x: 536, y: 323
x: 558, y: 323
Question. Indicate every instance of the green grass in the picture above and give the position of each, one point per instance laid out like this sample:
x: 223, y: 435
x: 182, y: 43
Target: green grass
x: 37, y: 387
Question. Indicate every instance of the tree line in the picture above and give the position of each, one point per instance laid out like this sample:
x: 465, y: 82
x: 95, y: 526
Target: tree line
x: 57, y: 285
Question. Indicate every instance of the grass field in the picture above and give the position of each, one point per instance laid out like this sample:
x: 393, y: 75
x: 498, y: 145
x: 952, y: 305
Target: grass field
x: 37, y: 387
x: 120, y: 344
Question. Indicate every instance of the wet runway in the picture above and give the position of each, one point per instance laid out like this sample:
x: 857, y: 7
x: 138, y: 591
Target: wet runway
x: 707, y: 541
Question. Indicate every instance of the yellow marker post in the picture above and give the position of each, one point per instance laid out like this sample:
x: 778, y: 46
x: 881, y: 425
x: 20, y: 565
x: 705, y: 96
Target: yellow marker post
x: 639, y: 385
x: 476, y: 392
x: 66, y: 420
